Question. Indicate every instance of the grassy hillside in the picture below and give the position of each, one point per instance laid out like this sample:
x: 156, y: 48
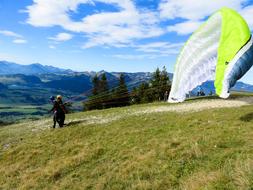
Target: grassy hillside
x: 132, y: 148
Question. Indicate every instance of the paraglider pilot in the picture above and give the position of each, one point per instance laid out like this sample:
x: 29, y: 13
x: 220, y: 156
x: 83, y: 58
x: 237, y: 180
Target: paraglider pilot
x: 58, y: 111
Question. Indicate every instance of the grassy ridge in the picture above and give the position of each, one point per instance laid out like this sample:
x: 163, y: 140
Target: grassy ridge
x: 211, y: 149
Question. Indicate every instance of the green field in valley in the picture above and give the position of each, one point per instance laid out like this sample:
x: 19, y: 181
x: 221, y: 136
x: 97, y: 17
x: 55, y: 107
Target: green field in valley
x: 18, y: 113
x: 17, y: 105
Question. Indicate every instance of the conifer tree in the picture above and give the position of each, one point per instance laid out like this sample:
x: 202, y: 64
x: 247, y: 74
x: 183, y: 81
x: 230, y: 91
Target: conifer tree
x: 145, y: 93
x: 165, y: 84
x: 105, y: 93
x: 122, y: 96
x: 135, y: 98
x: 103, y: 84
x: 155, y: 85
x: 96, y: 84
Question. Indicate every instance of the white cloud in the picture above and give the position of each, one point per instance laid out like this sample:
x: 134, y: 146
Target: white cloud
x: 50, y: 13
x: 134, y: 57
x: 195, y: 9
x: 129, y: 24
x: 247, y: 13
x: 19, y: 41
x: 52, y: 47
x: 185, y: 28
x: 152, y: 51
x: 10, y: 34
x: 161, y: 48
x: 140, y: 56
x: 104, y: 28
x: 61, y: 37
x: 195, y: 12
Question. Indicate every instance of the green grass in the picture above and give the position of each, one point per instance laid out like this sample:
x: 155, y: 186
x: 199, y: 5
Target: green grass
x: 211, y: 149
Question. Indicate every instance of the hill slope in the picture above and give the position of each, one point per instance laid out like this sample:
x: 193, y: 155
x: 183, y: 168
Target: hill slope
x: 140, y: 147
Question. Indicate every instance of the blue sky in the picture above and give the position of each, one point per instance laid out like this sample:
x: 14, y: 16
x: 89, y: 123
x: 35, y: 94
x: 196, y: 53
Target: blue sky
x: 112, y: 35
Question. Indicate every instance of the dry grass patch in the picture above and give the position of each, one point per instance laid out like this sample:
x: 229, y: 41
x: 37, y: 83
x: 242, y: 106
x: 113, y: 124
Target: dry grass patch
x: 200, y: 180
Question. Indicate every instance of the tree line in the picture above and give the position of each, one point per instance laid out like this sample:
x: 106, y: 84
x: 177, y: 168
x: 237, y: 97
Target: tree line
x: 156, y: 89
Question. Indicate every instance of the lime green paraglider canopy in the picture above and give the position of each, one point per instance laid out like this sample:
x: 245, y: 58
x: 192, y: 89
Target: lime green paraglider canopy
x: 235, y: 34
x: 220, y: 50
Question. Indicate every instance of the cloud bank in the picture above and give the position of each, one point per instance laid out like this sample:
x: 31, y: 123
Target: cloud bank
x: 130, y: 24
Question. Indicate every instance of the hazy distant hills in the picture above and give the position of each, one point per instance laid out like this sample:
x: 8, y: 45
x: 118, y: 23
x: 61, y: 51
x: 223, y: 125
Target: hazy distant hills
x: 13, y: 75
x: 74, y: 82
x: 208, y: 87
x: 7, y: 68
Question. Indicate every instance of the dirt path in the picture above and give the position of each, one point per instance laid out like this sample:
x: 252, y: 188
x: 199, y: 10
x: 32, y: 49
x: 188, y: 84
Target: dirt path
x: 199, y: 105
x: 194, y: 106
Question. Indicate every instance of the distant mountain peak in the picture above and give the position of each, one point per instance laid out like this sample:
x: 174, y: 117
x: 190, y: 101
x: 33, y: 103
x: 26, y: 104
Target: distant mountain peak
x: 36, y: 64
x: 9, y: 68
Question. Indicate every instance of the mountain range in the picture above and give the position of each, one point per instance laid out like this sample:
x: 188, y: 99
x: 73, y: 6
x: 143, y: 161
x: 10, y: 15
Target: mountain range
x: 8, y: 68
x: 13, y: 75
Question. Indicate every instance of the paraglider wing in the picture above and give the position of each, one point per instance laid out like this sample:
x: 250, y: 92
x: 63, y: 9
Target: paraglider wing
x: 220, y: 50
x: 235, y: 43
x: 197, y: 61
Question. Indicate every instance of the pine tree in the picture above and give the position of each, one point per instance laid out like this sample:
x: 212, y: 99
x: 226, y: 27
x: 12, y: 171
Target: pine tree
x: 94, y: 101
x: 96, y: 84
x: 135, y: 98
x: 105, y: 93
x: 155, y: 85
x: 156, y: 90
x: 164, y: 84
x: 122, y: 96
x: 145, y: 93
x: 103, y: 84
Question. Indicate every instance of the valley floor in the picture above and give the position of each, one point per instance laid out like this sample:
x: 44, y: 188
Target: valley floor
x: 200, y: 144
